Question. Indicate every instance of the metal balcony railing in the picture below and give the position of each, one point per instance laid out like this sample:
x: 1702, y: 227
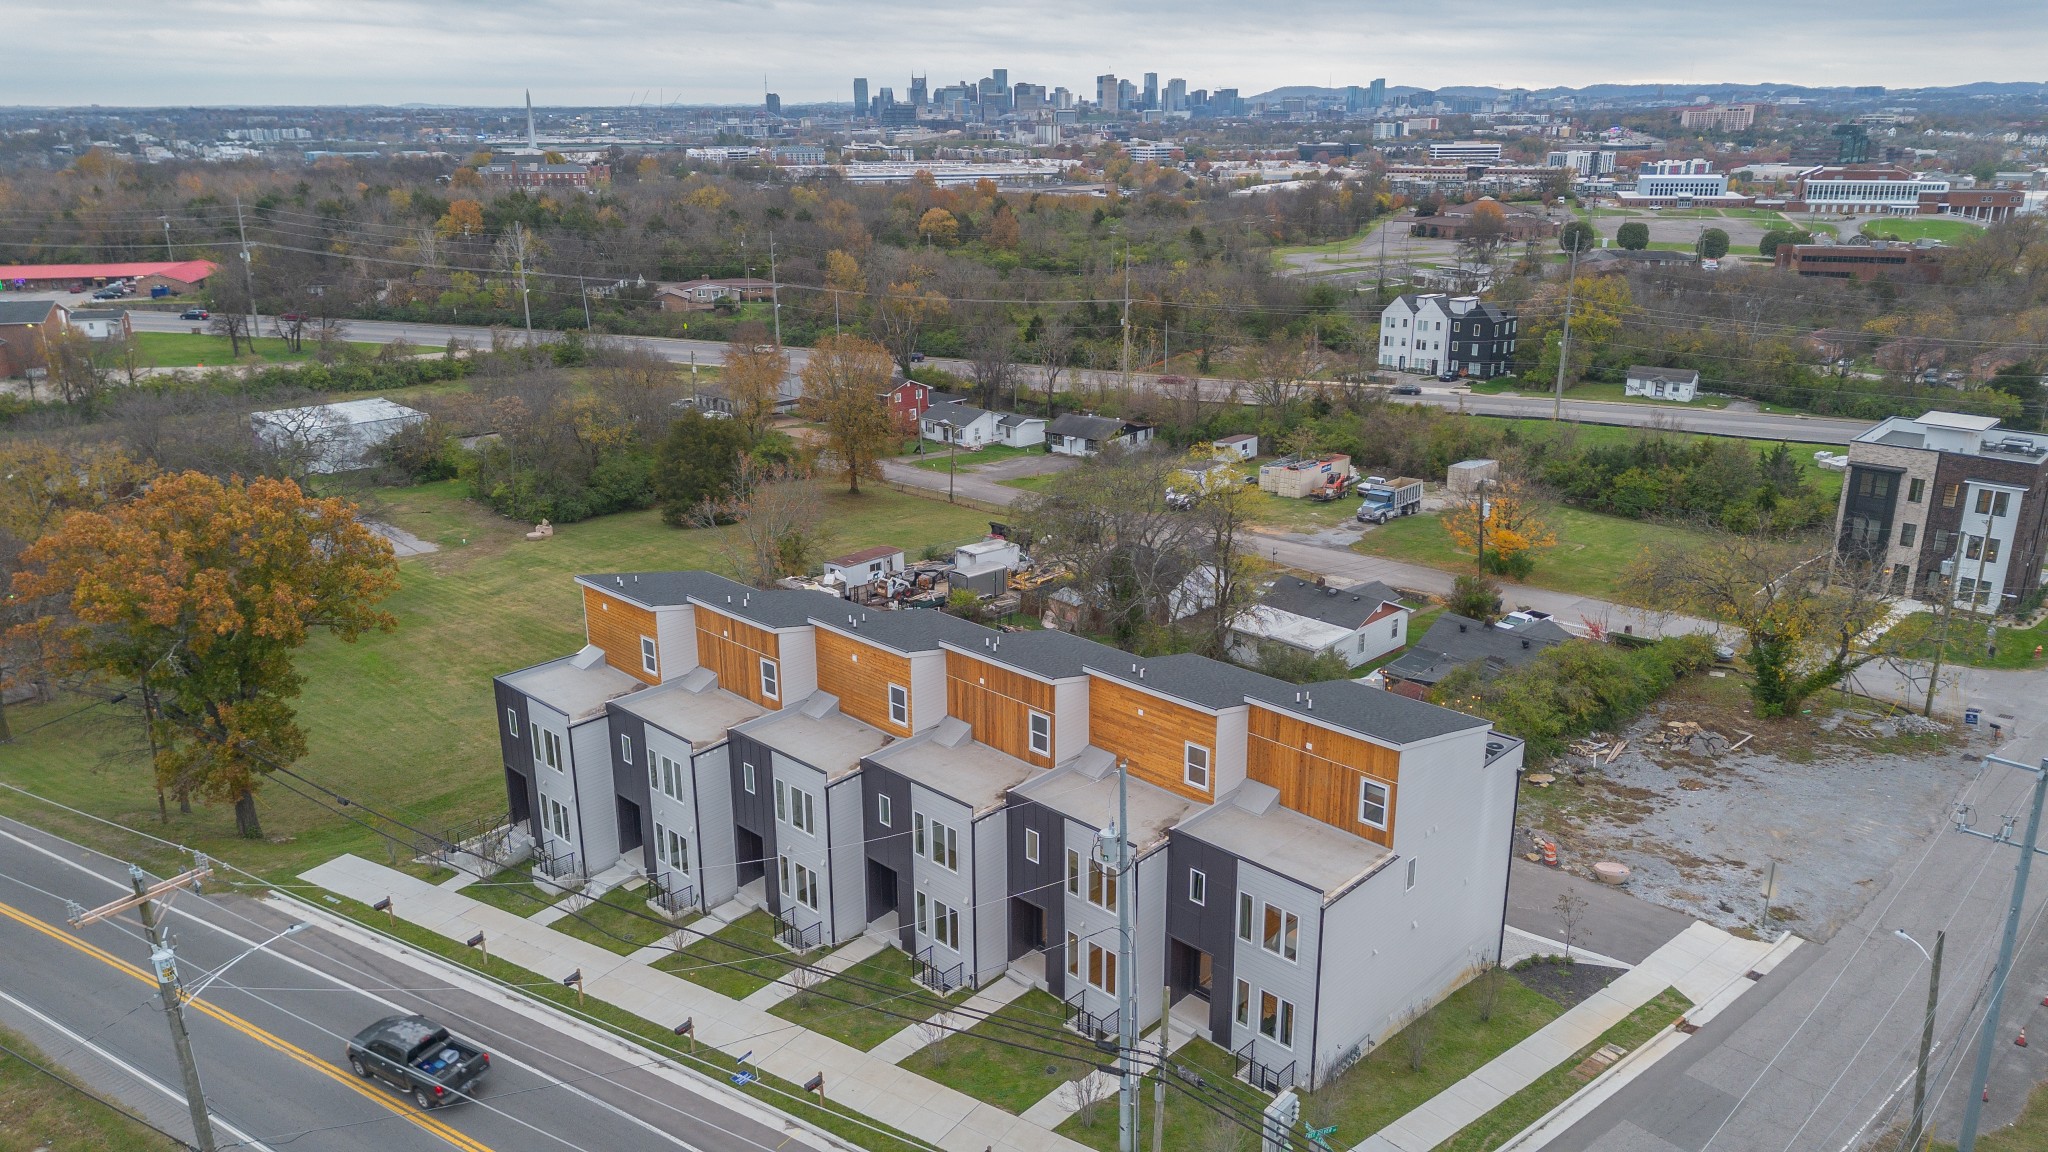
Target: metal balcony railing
x: 798, y: 938
x: 1264, y: 1077
x: 941, y: 978
x: 555, y: 865
x: 672, y: 893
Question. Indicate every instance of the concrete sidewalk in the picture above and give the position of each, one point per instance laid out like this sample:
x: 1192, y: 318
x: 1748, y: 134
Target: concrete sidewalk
x: 1704, y: 963
x: 859, y: 1080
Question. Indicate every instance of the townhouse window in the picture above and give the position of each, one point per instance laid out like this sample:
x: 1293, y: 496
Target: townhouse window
x: 782, y: 865
x: 796, y: 808
x: 1915, y: 490
x: 1031, y: 845
x: 1983, y: 501
x: 672, y: 848
x: 1101, y: 886
x: 1282, y: 936
x: 899, y: 705
x: 648, y: 663
x: 1041, y: 734
x: 771, y: 686
x: 924, y: 915
x: 1991, y: 549
x: 1974, y: 548
x: 1372, y: 804
x: 1944, y: 541
x: 1073, y: 954
x: 1411, y: 872
x: 946, y: 924
x: 945, y: 842
x: 653, y: 778
x: 1950, y: 495
x: 781, y: 802
x: 1198, y: 886
x: 551, y: 749
x: 625, y: 748
x: 671, y: 778
x: 806, y: 887
x: 1244, y: 1003
x: 885, y: 811
x: 747, y: 778
x: 1244, y: 916
x: 1102, y: 968
x: 512, y: 723
x: 1276, y: 1019
x: 1907, y: 534
x: 1073, y: 872
x: 1195, y: 766
x: 1998, y: 503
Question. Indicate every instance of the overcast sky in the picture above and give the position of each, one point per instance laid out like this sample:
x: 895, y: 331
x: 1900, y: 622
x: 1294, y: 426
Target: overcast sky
x: 485, y: 52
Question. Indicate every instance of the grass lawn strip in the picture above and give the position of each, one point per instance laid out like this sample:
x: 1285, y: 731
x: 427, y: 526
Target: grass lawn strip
x: 709, y: 1062
x: 1198, y: 1115
x: 1559, y: 1084
x: 619, y: 921
x: 935, y: 458
x: 514, y: 891
x: 729, y: 961
x: 1384, y: 1086
x: 1591, y: 558
x: 51, y: 1112
x: 996, y: 1064
x: 886, y: 981
x: 184, y: 350
x: 1916, y: 636
x: 2027, y: 1134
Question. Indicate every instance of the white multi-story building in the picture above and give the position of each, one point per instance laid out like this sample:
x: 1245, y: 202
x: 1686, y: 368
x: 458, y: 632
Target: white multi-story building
x: 1584, y: 161
x: 1696, y: 186
x: 1864, y: 192
x: 1465, y: 152
x: 1412, y: 332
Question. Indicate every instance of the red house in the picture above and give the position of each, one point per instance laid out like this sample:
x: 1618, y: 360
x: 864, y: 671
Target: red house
x: 909, y: 400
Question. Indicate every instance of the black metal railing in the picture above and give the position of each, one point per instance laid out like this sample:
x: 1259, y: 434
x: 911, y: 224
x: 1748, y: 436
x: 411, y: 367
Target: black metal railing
x: 554, y: 865
x: 798, y: 938
x: 942, y: 978
x: 1100, y: 1029
x: 1264, y: 1077
x: 672, y: 893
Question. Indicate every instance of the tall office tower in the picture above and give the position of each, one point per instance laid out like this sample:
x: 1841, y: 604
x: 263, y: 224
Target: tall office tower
x: 860, y: 96
x: 918, y: 92
x: 1176, y: 95
x: 774, y: 104
x: 1354, y: 99
x: 1376, y: 94
x: 1126, y: 96
x: 1151, y: 90
x: 1002, y: 78
x: 1062, y: 100
x: 1106, y: 92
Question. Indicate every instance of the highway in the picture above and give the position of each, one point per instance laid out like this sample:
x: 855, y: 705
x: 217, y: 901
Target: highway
x: 268, y: 1035
x: 1673, y: 418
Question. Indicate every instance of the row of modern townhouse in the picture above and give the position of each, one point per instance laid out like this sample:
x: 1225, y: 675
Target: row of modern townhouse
x: 1312, y: 862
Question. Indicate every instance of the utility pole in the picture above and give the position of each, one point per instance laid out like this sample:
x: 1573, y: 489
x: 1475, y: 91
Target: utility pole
x: 1126, y: 1000
x: 248, y: 274
x: 1926, y: 1039
x: 166, y: 965
x: 1973, y: 1106
x: 167, y: 237
x: 774, y: 292
x: 1159, y: 1078
x: 519, y: 242
x: 1564, y: 349
x: 1945, y: 586
x: 1127, y: 320
x: 585, y: 293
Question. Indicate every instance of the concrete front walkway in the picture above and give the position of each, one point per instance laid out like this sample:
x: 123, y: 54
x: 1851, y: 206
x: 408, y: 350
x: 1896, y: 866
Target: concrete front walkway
x: 1709, y: 966
x: 858, y: 1080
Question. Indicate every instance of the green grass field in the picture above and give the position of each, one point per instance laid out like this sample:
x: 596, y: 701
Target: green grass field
x: 404, y: 719
x: 46, y: 1114
x: 737, y: 961
x: 620, y: 921
x: 1921, y: 228
x: 980, y: 1064
x: 1601, y: 435
x: 886, y: 981
x: 1916, y: 637
x: 514, y: 891
x: 184, y: 350
x: 936, y: 457
x: 1191, y: 1118
x: 1592, y: 555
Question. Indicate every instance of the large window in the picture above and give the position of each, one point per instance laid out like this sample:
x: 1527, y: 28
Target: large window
x: 899, y: 705
x: 671, y: 777
x: 672, y: 848
x: 1041, y: 734
x: 796, y: 808
x: 1276, y: 1019
x: 1101, y: 886
x: 1195, y: 766
x: 942, y: 844
x: 771, y: 684
x: 1102, y: 968
x: 799, y: 883
x: 551, y: 749
x: 1372, y: 804
x: 558, y: 819
x: 945, y: 922
x: 1281, y: 932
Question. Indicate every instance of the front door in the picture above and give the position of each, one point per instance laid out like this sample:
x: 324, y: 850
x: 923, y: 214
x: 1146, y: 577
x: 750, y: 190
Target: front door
x: 1193, y: 973
x: 629, y: 826
x: 1027, y: 927
x: 882, y: 895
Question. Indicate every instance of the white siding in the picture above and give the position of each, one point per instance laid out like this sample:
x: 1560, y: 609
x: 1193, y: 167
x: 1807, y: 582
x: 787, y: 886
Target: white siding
x: 1291, y: 980
x: 927, y: 690
x: 799, y: 663
x: 990, y: 892
x: 590, y: 758
x: 675, y: 638
x: 955, y: 887
x: 1070, y: 720
x: 717, y: 876
x: 1377, y: 639
x: 1147, y: 888
x: 552, y: 785
x: 805, y: 848
x: 846, y: 878
x: 678, y: 813
x: 1233, y: 726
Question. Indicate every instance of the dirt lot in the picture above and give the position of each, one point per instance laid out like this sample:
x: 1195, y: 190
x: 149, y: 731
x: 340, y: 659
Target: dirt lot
x: 1833, y: 797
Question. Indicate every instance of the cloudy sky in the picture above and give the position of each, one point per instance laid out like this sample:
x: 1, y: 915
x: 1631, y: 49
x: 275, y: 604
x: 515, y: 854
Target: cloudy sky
x: 710, y: 51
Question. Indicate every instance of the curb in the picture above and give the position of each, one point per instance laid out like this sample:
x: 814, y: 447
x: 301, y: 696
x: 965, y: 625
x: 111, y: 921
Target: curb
x: 1596, y: 1091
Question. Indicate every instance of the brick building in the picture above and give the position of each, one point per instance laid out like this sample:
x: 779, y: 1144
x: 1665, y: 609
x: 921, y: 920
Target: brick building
x: 1886, y: 259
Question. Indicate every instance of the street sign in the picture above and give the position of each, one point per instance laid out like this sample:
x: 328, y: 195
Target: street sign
x: 1770, y: 888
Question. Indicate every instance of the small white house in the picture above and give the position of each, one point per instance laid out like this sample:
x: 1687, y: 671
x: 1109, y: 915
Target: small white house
x: 1679, y: 384
x: 959, y: 423
x: 1075, y: 434
x: 1239, y: 446
x: 333, y: 437
x: 1018, y: 430
x: 856, y: 569
x: 1358, y: 625
x: 101, y: 323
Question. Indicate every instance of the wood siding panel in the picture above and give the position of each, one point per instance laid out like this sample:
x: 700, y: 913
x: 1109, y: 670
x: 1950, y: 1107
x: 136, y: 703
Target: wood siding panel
x: 997, y: 703
x: 617, y: 626
x: 734, y: 649
x: 1151, y: 734
x: 860, y: 675
x: 1322, y: 783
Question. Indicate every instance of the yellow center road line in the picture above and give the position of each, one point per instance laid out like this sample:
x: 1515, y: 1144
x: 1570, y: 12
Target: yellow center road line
x: 267, y: 1039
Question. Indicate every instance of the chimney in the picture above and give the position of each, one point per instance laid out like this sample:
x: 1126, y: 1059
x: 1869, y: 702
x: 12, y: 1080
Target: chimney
x: 1525, y: 642
x: 1141, y: 673
x: 621, y: 580
x: 1461, y: 626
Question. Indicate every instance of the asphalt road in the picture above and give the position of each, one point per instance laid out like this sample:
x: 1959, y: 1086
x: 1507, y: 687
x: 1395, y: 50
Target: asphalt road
x: 268, y: 1035
x: 1713, y: 422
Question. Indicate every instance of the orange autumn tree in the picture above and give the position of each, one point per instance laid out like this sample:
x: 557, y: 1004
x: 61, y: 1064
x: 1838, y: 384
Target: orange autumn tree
x: 1513, y: 528
x: 196, y: 593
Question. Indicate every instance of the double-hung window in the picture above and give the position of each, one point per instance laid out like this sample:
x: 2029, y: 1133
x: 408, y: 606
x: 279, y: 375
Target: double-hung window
x: 1195, y: 766
x: 771, y: 681
x: 1372, y: 804
x: 1282, y: 933
x: 899, y: 705
x: 945, y: 846
x: 551, y: 749
x: 1276, y: 1019
x: 648, y: 663
x: 1041, y: 734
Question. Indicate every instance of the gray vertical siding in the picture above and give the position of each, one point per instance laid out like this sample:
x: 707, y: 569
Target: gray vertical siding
x: 1040, y: 884
x: 888, y: 845
x: 518, y: 753
x: 755, y: 812
x: 629, y: 778
x: 1208, y: 927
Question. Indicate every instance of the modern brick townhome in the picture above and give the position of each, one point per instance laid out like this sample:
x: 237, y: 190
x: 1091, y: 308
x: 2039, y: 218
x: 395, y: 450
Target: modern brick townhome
x: 1311, y: 862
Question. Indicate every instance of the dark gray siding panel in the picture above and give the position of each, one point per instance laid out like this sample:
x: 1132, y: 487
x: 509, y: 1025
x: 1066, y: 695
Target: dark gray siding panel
x: 629, y: 779
x: 1042, y: 884
x: 890, y: 846
x: 755, y: 812
x: 1210, y: 926
x: 518, y: 754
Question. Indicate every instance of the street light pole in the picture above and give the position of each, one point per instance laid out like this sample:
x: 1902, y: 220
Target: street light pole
x: 1973, y: 1106
x: 1127, y: 1001
x: 1926, y: 1038
x: 166, y: 965
x: 1564, y: 348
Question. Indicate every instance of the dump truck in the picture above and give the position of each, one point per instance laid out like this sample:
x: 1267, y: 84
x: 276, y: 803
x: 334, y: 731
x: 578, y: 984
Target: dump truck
x: 1386, y: 499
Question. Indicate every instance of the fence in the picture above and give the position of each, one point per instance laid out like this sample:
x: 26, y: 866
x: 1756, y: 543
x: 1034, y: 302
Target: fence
x: 933, y: 976
x: 1104, y: 1030
x: 672, y: 893
x: 1264, y: 1077
x: 799, y: 939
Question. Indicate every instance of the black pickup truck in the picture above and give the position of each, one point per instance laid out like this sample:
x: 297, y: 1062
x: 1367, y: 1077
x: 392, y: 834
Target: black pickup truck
x: 414, y: 1054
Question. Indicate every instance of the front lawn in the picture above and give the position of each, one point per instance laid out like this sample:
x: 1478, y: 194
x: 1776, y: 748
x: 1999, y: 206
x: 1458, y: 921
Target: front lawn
x: 514, y: 891
x: 49, y: 1114
x: 404, y: 719
x: 1192, y: 1110
x: 987, y: 1062
x: 1592, y: 555
x: 1299, y: 515
x: 1383, y: 1087
x: 845, y: 1007
x: 1918, y: 635
x: 736, y: 961
x: 184, y: 350
x: 938, y: 457
x: 619, y: 920
x: 1916, y: 228
x: 1559, y: 1084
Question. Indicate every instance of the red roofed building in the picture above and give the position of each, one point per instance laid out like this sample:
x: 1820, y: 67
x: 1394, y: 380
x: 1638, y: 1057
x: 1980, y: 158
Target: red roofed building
x: 180, y: 276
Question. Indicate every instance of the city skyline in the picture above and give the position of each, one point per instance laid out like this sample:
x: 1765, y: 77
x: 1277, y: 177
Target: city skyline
x: 401, y: 51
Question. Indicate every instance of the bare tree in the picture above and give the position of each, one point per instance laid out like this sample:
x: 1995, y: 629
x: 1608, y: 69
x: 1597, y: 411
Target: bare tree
x: 234, y: 326
x: 1418, y: 1036
x: 772, y: 522
x: 1110, y: 522
x: 1489, y: 983
x: 991, y: 352
x: 1055, y: 349
x: 1089, y: 1093
x: 1569, y: 909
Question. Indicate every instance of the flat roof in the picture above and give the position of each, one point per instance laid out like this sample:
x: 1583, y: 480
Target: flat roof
x: 904, y: 630
x: 1184, y: 676
x: 573, y: 685
x: 1282, y: 840
x: 863, y: 556
x: 699, y: 715
x: 1288, y: 628
x: 817, y: 733
x: 1961, y: 420
x: 1084, y: 789
x: 948, y: 760
x: 1371, y: 712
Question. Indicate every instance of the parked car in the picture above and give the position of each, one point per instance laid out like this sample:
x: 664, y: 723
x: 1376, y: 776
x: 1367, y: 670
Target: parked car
x: 195, y: 314
x: 77, y: 289
x: 917, y: 357
x: 417, y: 1056
x: 1446, y: 377
x: 294, y: 317
x: 1407, y: 389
